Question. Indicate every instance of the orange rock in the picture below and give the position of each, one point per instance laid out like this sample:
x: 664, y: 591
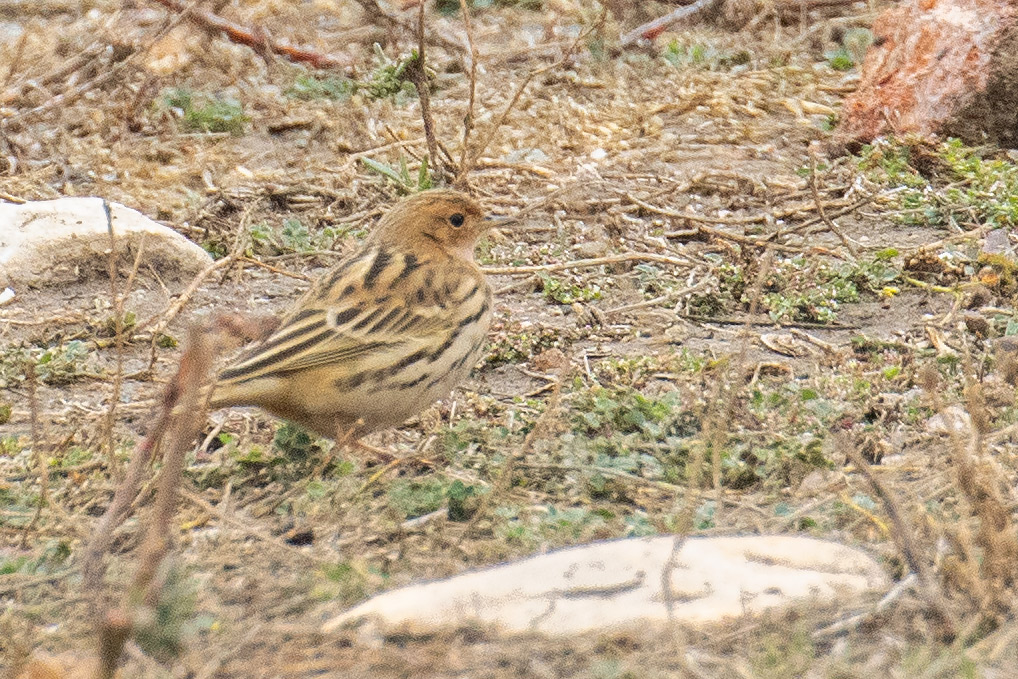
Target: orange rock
x: 939, y: 67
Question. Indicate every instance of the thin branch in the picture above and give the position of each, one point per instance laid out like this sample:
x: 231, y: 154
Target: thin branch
x: 652, y: 29
x: 105, y: 75
x: 380, y: 16
x: 700, y: 229
x: 902, y: 534
x: 38, y: 459
x: 814, y: 186
x: 490, y: 136
x: 587, y: 263
x: 162, y: 319
x: 418, y: 73
x: 468, y: 119
x: 92, y: 566
x: 192, y: 374
x: 255, y: 38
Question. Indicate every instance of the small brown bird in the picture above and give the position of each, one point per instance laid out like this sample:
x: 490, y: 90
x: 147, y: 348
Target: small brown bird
x: 385, y: 333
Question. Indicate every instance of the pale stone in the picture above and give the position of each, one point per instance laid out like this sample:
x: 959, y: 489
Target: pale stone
x: 951, y: 420
x: 608, y: 585
x: 54, y: 242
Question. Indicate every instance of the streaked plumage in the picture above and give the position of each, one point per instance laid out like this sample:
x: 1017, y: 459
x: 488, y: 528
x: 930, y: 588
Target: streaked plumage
x: 389, y: 330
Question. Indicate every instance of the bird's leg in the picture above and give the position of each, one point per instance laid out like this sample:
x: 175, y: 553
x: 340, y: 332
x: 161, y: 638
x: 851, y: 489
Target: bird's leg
x: 395, y: 462
x: 375, y: 452
x: 346, y: 437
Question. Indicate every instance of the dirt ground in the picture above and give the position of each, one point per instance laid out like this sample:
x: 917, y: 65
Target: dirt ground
x: 761, y: 312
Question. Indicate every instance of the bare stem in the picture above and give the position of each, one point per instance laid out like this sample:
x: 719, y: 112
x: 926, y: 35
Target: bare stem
x: 468, y: 119
x: 419, y: 75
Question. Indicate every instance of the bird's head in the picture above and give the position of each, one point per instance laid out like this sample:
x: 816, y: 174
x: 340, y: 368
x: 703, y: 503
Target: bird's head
x: 447, y: 220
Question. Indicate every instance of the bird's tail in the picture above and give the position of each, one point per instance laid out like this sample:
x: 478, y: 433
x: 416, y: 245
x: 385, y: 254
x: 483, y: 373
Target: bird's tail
x: 228, y: 393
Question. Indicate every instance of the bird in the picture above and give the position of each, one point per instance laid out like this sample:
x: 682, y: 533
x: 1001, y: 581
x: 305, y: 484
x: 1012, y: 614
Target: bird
x: 389, y: 330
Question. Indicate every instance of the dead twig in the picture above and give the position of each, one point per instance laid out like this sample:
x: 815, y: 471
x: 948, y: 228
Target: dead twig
x: 255, y: 38
x: 902, y: 535
x: 587, y: 263
x: 159, y: 322
x: 105, y: 75
x: 417, y: 71
x: 92, y: 567
x: 652, y: 29
x: 500, y: 120
x: 700, y: 230
x: 184, y: 422
x: 118, y: 320
x: 38, y: 459
x: 828, y: 222
x: 468, y: 119
x: 380, y: 16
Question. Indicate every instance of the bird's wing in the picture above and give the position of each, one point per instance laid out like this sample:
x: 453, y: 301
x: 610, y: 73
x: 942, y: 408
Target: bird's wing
x: 373, y: 310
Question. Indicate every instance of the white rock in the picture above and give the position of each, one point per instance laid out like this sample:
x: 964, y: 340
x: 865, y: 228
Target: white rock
x: 619, y: 583
x: 951, y: 420
x: 57, y: 241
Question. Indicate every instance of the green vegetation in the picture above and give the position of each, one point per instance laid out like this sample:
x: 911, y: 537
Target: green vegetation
x: 292, y: 236
x: 800, y: 288
x: 519, y: 344
x: 61, y: 364
x: 416, y: 498
x: 175, y: 617
x: 50, y: 558
x: 946, y: 183
x: 345, y: 582
x: 563, y: 292
x: 840, y: 59
x: 392, y: 78
x: 452, y: 7
x: 851, y: 51
x: 401, y: 176
x: 202, y: 112
x: 309, y: 88
x: 704, y: 56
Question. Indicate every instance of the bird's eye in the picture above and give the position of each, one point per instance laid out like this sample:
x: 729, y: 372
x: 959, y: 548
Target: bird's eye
x: 456, y: 220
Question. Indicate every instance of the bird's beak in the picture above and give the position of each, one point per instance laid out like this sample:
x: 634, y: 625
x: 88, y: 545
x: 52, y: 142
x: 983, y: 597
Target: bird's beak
x: 499, y: 221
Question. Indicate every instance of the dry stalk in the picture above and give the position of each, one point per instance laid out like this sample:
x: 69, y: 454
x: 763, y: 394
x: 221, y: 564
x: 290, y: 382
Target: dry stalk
x: 159, y: 322
x: 380, y: 16
x: 490, y: 136
x: 587, y: 263
x: 468, y: 119
x: 828, y: 222
x: 418, y: 73
x: 92, y: 566
x: 902, y: 534
x: 118, y: 320
x: 181, y: 417
x: 104, y: 76
x: 195, y: 362
x: 191, y: 376
x: 980, y: 485
x: 504, y: 481
x: 652, y: 29
x: 700, y: 230
x: 19, y: 52
x: 38, y: 459
x: 256, y: 38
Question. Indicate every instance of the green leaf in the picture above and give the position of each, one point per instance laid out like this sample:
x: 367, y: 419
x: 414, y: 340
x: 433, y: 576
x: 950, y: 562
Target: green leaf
x: 423, y: 178
x: 383, y: 169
